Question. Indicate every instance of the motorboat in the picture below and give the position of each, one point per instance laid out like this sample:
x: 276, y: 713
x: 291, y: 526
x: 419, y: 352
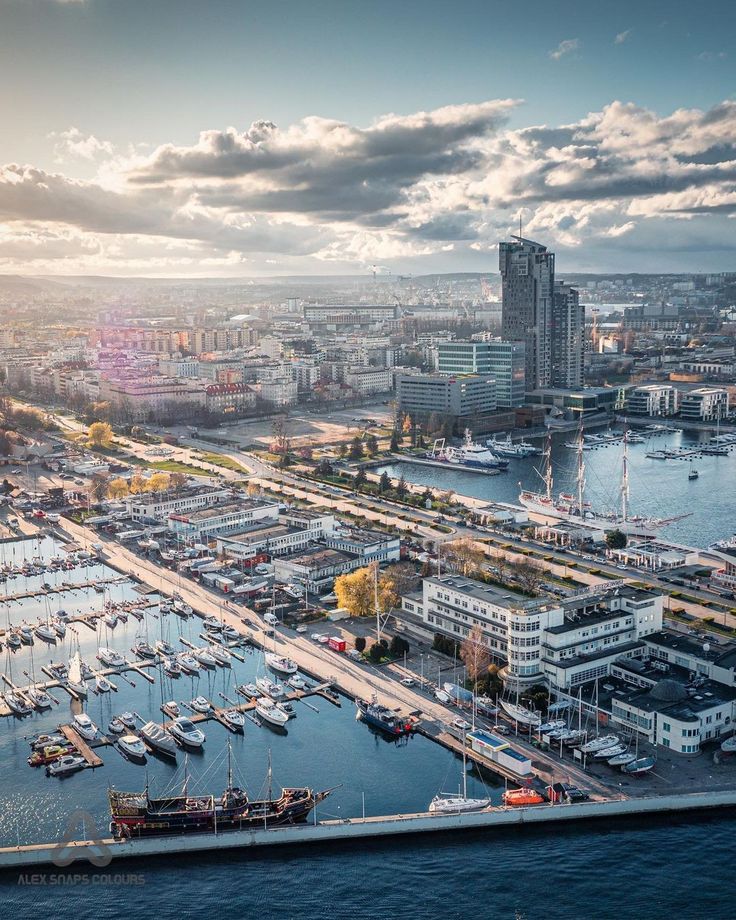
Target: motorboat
x: 115, y: 726
x: 13, y: 640
x: 280, y: 664
x: 248, y: 690
x: 128, y: 719
x: 26, y: 634
x: 59, y: 627
x: 84, y: 726
x: 204, y: 657
x: 180, y: 607
x: 231, y: 633
x: 110, y: 657
x: 212, y: 624
x: 285, y: 706
x: 187, y: 733
x: 143, y: 650
x: 111, y: 619
x: 46, y: 632
x: 729, y: 745
x: 201, y: 704
x: 188, y: 663
x: 297, y: 683
x: 173, y: 707
x: 548, y: 727
x: 442, y: 696
x: 39, y: 697
x: 172, y: 667
x: 48, y: 754
x: 102, y: 684
x: 267, y: 686
x: 599, y: 744
x: 17, y: 705
x: 61, y: 614
x: 69, y: 763
x: 132, y: 746
x: 159, y: 739
x: 165, y: 648
x: 42, y: 741
x: 234, y: 718
x: 269, y: 712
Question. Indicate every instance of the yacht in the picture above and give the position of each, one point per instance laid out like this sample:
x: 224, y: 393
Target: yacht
x: 600, y: 744
x: 521, y: 714
x: 234, y: 718
x: 165, y: 648
x: 159, y: 739
x: 280, y: 664
x: 188, y: 663
x: 173, y: 707
x: 221, y: 655
x: 269, y: 712
x: 513, y: 449
x: 186, y: 732
x: 69, y: 763
x: 110, y: 657
x: 132, y: 746
x: 212, y: 624
x: 231, y: 633
x: 297, y: 683
x: 201, y: 704
x: 469, y: 454
x: 84, y: 726
x: 13, y: 640
x: 204, y: 657
x: 143, y: 650
x: 250, y: 690
x: 267, y: 686
x: 111, y: 619
x: 46, y: 632
x: 75, y: 681
x: 39, y: 697
x: 115, y: 727
x: 59, y: 627
x: 17, y: 704
x: 102, y: 684
x: 172, y: 667
x: 128, y: 719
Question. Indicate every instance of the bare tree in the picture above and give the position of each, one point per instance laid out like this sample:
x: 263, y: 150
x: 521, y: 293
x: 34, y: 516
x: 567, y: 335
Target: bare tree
x: 463, y: 555
x: 475, y: 654
x: 529, y: 575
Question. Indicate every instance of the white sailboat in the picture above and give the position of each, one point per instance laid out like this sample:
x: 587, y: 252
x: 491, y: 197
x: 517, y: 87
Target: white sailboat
x: 75, y: 680
x: 521, y: 714
x: 446, y: 803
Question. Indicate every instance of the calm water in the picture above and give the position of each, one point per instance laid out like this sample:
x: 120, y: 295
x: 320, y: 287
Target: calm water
x: 660, y: 869
x: 659, y: 488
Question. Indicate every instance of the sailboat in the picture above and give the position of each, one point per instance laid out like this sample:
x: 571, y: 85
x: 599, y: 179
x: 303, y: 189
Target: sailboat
x: 75, y: 681
x: 446, y: 803
x: 575, y: 508
x: 692, y: 472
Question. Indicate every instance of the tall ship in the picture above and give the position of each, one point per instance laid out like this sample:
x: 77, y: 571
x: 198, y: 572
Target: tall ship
x: 136, y: 814
x: 469, y: 454
x: 374, y: 713
x: 577, y: 509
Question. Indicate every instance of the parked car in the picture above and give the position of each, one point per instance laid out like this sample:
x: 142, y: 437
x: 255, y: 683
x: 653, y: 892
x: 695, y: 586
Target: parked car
x: 500, y: 730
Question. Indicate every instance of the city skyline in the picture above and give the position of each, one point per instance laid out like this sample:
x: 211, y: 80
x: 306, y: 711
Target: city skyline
x: 182, y: 141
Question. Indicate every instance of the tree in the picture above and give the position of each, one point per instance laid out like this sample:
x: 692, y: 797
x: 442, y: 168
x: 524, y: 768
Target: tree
x: 394, y: 444
x: 98, y: 486
x: 252, y: 490
x: 356, y: 592
x: 324, y: 468
x: 463, y: 555
x: 178, y: 480
x: 384, y: 483
x: 360, y: 479
x: 398, y: 647
x: 117, y: 489
x: 427, y: 496
x: 475, y: 654
x: 356, y: 449
x: 99, y: 434
x: 342, y: 451
x: 306, y: 452
x: 395, y: 581
x: 529, y: 575
x: 159, y: 482
x: 376, y: 652
x: 616, y: 539
x: 360, y: 643
x: 401, y: 486
x: 137, y: 483
x: 371, y: 444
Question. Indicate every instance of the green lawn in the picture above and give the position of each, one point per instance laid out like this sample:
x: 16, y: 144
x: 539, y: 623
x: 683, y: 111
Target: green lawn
x: 221, y: 460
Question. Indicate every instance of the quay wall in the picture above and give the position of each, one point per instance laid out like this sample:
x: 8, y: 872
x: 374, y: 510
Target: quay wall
x: 63, y: 854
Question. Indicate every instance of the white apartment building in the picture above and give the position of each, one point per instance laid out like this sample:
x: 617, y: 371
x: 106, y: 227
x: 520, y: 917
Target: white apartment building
x: 157, y: 507
x: 705, y: 404
x: 294, y: 532
x: 151, y: 396
x: 652, y: 399
x: 203, y: 523
x: 178, y: 367
x: 279, y: 391
x: 562, y: 643
x: 368, y: 380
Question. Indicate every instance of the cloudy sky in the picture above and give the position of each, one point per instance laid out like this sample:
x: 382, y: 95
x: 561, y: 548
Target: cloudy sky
x: 234, y: 137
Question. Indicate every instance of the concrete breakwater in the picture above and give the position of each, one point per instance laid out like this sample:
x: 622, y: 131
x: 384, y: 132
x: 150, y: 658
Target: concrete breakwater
x: 104, y: 851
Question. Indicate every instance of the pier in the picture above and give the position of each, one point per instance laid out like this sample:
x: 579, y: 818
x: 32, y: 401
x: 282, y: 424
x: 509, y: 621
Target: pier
x: 73, y: 737
x: 64, y: 587
x: 350, y: 829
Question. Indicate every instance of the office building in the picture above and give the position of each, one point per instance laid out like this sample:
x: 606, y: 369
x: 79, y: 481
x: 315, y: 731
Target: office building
x: 528, y: 277
x: 422, y: 394
x: 568, y: 337
x: 706, y: 404
x: 504, y: 361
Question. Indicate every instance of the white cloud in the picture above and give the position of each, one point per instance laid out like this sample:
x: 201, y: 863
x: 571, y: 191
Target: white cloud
x: 72, y: 143
x: 429, y: 189
x: 710, y: 56
x: 564, y: 48
x: 622, y: 37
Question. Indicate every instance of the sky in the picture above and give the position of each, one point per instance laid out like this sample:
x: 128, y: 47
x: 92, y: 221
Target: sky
x: 240, y: 138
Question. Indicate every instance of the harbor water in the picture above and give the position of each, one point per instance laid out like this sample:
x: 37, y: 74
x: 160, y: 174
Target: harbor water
x: 523, y: 874
x: 658, y: 488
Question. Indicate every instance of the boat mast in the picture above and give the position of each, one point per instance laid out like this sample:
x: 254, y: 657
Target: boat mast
x: 581, y: 470
x: 229, y: 766
x: 270, y: 777
x: 548, y: 466
x: 625, y: 478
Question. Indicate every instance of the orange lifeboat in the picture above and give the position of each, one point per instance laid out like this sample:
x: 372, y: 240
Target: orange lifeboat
x: 518, y: 797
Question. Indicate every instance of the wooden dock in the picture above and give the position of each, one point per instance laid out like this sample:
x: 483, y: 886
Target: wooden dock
x: 63, y: 588
x: 73, y: 737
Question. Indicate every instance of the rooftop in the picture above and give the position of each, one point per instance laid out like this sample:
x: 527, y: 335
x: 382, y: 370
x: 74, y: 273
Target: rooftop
x: 205, y: 514
x: 490, y: 594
